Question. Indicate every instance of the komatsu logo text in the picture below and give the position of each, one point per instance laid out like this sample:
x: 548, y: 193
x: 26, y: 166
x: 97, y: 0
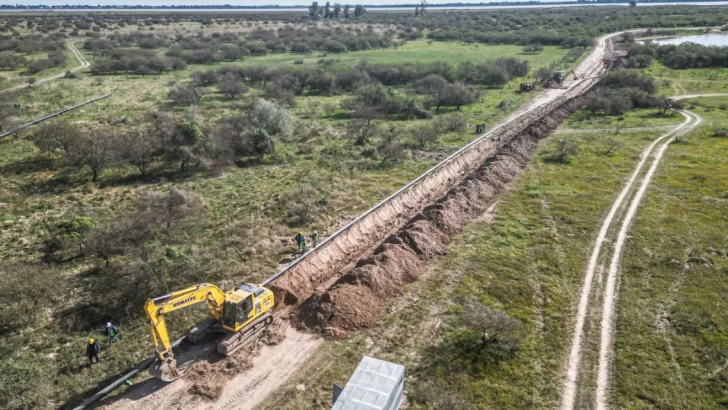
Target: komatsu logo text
x: 182, y: 302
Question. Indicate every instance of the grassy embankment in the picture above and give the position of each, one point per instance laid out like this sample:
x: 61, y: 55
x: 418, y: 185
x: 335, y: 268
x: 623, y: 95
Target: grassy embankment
x: 238, y: 239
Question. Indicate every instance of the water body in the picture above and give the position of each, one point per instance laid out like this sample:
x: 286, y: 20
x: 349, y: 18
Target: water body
x: 720, y: 40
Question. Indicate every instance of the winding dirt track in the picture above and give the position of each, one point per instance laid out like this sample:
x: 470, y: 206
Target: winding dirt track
x: 83, y: 64
x: 573, y: 385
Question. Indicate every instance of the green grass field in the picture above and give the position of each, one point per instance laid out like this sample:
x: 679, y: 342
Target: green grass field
x: 672, y: 339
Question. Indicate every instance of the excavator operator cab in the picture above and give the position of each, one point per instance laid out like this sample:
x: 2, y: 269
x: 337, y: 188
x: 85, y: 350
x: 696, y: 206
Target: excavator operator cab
x: 244, y: 304
x: 236, y: 312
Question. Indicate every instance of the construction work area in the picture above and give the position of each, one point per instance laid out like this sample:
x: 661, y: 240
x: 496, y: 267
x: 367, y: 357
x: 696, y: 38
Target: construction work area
x: 424, y: 209
x: 343, y: 283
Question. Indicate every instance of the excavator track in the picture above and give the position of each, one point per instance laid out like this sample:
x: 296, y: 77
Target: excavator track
x: 235, y: 341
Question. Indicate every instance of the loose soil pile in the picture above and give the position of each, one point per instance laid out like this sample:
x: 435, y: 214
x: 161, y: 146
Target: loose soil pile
x: 208, y: 378
x: 354, y: 300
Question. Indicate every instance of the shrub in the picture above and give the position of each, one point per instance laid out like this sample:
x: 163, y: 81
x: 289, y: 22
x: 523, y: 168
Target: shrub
x: 271, y: 117
x: 500, y: 336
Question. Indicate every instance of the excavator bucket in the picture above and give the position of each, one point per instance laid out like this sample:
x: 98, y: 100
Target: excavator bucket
x: 165, y: 370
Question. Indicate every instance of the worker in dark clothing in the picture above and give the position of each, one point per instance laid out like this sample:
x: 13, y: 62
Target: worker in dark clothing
x: 301, y: 241
x: 112, y: 333
x: 315, y: 238
x: 93, y: 348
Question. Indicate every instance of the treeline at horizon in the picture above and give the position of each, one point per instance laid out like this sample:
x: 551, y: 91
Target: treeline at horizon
x: 304, y: 6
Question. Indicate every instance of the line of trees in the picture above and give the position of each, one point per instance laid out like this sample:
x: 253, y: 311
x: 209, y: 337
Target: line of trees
x: 446, y: 84
x: 338, y: 11
x: 621, y: 91
x: 682, y: 56
x: 120, y: 52
x: 183, y: 142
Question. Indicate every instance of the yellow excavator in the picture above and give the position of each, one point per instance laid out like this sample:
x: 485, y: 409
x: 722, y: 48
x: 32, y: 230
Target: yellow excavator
x: 239, y: 313
x: 561, y: 76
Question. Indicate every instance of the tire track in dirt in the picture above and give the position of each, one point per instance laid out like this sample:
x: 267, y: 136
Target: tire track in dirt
x: 574, y: 360
x: 608, y: 292
x: 83, y: 64
x: 611, y: 292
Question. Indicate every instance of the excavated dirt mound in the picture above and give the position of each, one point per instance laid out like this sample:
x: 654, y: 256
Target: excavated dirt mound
x: 208, y: 378
x: 354, y: 300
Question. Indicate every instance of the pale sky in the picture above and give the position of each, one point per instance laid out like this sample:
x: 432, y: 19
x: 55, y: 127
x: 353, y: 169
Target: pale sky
x: 219, y: 2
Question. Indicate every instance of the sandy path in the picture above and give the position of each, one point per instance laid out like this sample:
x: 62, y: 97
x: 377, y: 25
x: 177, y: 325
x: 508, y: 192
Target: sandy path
x: 271, y: 367
x: 610, y: 294
x: 83, y: 64
x: 609, y: 300
x: 569, y: 393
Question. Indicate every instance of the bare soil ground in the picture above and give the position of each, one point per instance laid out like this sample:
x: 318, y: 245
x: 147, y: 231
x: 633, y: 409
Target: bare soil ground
x: 239, y: 382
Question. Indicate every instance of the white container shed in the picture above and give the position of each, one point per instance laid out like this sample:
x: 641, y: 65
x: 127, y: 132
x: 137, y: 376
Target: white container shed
x: 375, y: 385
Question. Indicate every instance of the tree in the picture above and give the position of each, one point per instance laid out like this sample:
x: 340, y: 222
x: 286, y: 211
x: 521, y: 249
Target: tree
x: 499, y: 334
x: 163, y: 126
x: 434, y: 86
x: 459, y: 94
x: 7, y: 109
x: 423, y: 134
x: 171, y: 207
x: 612, y: 145
x: 327, y: 10
x: 139, y: 149
x: 564, y: 150
x: 337, y: 10
x: 359, y: 10
x: 346, y: 11
x: 51, y: 137
x: 360, y: 131
x: 456, y: 122
x: 271, y: 117
x: 633, y: 4
x: 231, y: 86
x: 423, y: 7
x: 417, y: 10
x: 186, y: 142
x: 391, y: 152
x: 75, y: 231
x: 97, y: 150
x: 595, y: 103
x: 314, y: 10
x: 187, y: 94
x: 31, y: 81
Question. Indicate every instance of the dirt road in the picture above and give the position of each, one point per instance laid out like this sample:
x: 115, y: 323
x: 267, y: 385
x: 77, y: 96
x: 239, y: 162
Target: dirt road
x: 578, y: 389
x: 271, y: 367
x: 83, y: 63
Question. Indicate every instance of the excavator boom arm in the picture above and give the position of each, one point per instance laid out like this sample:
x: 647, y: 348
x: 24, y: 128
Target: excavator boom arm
x: 156, y: 309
